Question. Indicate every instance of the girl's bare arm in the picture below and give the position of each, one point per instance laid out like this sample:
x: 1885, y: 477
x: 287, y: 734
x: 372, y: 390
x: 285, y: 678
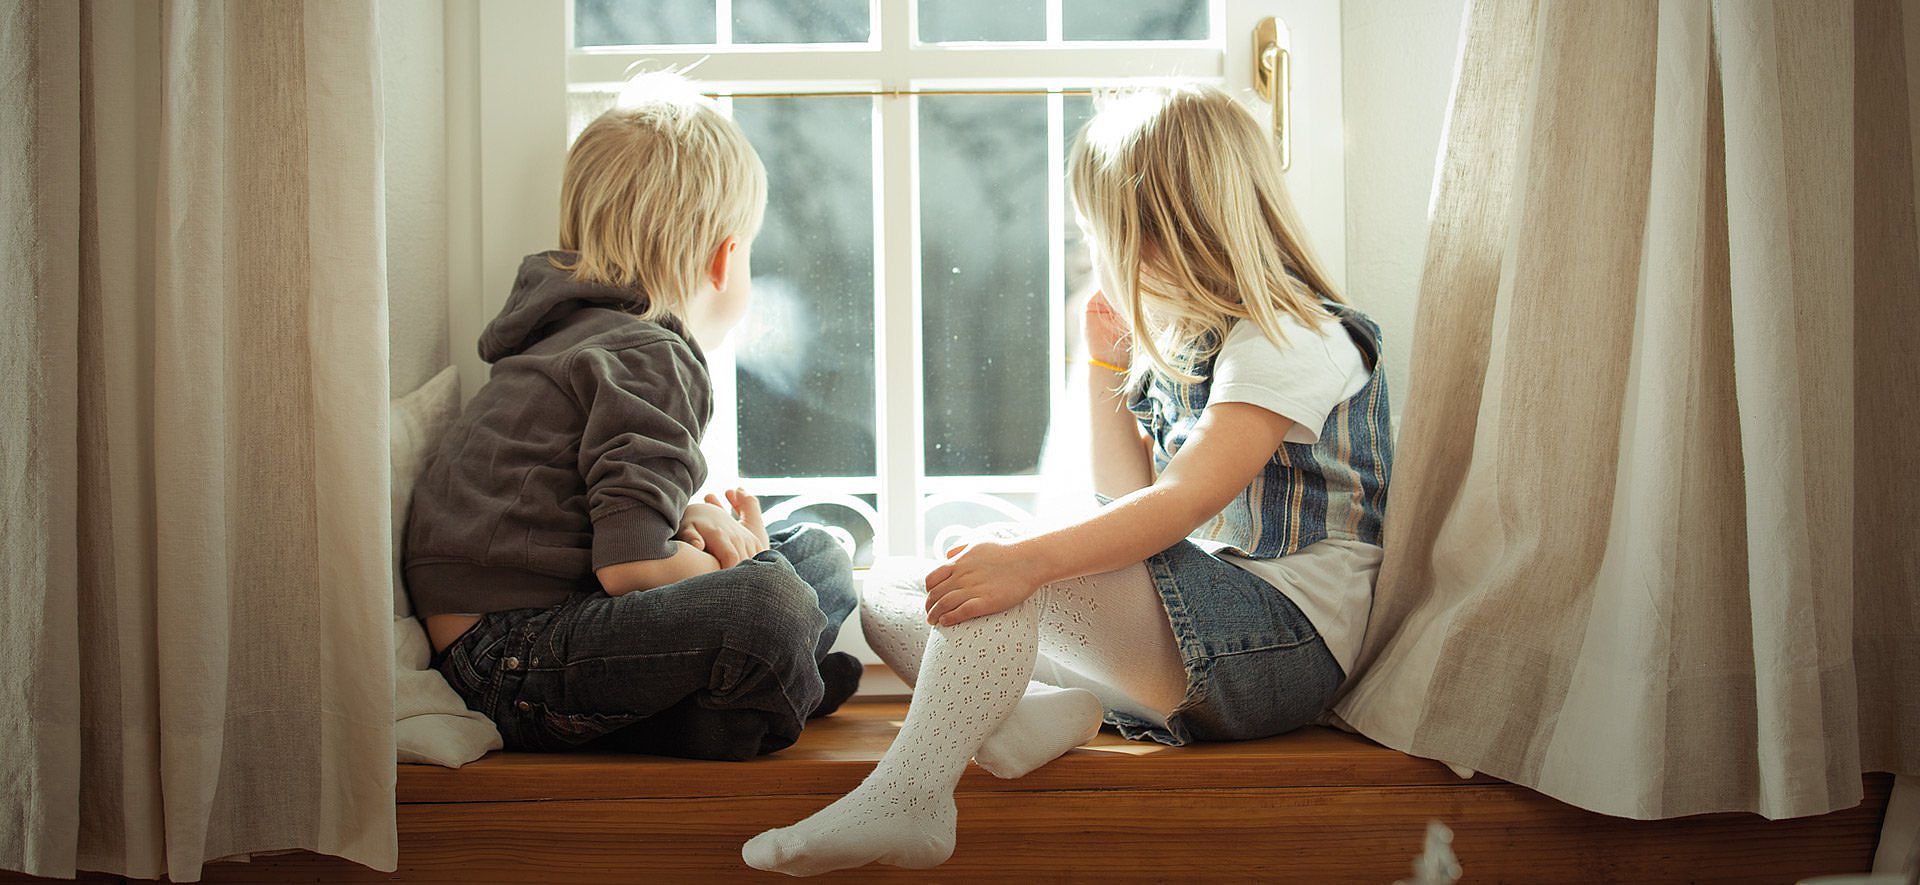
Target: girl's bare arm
x: 1121, y: 460
x: 1121, y: 463
x: 1229, y: 446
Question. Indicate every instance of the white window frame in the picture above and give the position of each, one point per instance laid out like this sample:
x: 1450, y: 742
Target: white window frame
x: 507, y: 132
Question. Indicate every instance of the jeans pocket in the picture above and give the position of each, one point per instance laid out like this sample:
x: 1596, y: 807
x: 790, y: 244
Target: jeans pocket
x: 464, y: 677
x: 541, y: 727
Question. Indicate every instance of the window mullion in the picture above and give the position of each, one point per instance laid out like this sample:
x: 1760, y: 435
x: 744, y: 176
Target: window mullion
x: 723, y: 22
x: 1056, y: 254
x: 1037, y: 66
x: 897, y: 297
x: 721, y: 443
x: 1064, y: 431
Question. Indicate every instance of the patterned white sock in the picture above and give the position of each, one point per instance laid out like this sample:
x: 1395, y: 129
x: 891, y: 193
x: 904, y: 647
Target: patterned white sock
x: 1048, y: 720
x: 903, y: 813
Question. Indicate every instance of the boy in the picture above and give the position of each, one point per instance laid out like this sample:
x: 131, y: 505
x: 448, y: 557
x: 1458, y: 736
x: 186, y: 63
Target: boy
x: 572, y: 593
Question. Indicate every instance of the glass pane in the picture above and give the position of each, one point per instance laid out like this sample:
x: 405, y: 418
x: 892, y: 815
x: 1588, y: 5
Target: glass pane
x: 1069, y: 477
x: 955, y: 519
x: 805, y: 350
x: 801, y: 21
x: 839, y: 517
x: 1134, y: 19
x: 583, y: 105
x: 983, y: 221
x: 643, y: 22
x: 953, y: 21
x: 1075, y: 111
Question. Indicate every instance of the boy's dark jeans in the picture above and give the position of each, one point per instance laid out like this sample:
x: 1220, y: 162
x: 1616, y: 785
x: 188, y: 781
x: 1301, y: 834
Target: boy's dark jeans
x: 721, y: 666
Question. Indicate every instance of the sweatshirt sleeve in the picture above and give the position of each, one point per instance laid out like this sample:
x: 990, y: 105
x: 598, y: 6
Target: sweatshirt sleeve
x: 645, y: 406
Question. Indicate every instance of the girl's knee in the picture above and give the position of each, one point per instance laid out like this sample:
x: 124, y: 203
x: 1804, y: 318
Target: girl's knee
x: 891, y: 581
x: 881, y: 605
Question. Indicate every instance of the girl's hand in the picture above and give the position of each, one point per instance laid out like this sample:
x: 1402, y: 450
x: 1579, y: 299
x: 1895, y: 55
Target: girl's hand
x: 984, y: 578
x: 730, y: 531
x: 1108, y: 338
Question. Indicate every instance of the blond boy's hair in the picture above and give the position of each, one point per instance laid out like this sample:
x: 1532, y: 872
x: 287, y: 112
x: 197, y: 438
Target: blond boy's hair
x: 1180, y: 191
x: 653, y: 187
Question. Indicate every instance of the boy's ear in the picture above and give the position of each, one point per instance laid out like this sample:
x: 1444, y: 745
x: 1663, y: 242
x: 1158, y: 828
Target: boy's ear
x: 721, y: 266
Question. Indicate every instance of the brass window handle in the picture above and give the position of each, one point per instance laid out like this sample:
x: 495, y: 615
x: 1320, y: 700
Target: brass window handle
x: 1273, y: 80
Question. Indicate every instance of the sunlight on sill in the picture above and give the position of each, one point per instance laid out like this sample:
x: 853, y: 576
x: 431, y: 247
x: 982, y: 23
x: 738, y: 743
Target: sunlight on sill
x: 1130, y: 748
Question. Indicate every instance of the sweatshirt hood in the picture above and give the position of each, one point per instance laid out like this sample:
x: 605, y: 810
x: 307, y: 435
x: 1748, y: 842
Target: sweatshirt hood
x: 544, y: 297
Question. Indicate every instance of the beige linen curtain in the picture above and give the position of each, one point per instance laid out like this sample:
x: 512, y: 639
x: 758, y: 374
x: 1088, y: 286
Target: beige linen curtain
x: 1652, y: 543
x: 194, y: 643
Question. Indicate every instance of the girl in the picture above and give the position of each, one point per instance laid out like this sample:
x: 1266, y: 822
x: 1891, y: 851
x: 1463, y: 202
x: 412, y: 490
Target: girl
x: 1240, y: 427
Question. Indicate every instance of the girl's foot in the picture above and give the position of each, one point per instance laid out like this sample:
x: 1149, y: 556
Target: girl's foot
x: 1046, y: 723
x: 902, y: 813
x: 872, y: 824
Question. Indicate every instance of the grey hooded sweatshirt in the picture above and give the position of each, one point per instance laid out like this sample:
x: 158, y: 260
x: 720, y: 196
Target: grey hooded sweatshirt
x: 580, y: 451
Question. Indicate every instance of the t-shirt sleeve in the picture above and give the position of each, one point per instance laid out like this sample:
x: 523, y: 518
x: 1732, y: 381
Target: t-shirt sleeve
x: 640, y: 450
x: 1302, y: 379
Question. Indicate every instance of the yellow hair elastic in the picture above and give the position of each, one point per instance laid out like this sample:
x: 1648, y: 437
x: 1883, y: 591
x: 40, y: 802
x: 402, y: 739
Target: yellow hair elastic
x: 1106, y: 365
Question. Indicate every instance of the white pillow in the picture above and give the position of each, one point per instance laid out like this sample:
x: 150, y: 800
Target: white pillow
x: 430, y: 722
x: 418, y: 420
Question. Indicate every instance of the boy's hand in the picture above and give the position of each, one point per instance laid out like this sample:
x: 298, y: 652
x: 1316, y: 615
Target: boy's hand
x: 747, y: 508
x: 729, y: 532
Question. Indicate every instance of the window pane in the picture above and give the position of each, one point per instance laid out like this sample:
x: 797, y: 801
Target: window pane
x: 983, y: 221
x: 1075, y: 111
x: 800, y: 21
x: 583, y: 105
x: 1134, y: 19
x: 952, y: 21
x: 643, y: 22
x: 805, y: 350
x: 954, y: 519
x: 841, y: 519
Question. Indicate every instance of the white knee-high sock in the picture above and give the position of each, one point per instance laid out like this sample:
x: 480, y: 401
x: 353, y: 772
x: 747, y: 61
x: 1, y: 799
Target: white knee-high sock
x: 893, y: 616
x: 903, y: 813
x: 1049, y: 719
x: 1109, y: 633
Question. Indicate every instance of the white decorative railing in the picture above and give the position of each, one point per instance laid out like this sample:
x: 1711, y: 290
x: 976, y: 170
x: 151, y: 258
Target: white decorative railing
x: 945, y: 537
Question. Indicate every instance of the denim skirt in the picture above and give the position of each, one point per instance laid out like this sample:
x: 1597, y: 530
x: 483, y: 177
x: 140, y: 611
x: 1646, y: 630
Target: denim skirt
x: 1256, y: 667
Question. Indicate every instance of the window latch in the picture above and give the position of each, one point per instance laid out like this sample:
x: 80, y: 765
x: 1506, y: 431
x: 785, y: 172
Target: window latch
x: 1273, y: 81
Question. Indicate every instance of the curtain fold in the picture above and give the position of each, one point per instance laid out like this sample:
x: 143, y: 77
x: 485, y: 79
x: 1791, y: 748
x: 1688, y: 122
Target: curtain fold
x: 1644, y: 555
x: 195, y: 618
x: 1886, y: 512
x: 39, y: 333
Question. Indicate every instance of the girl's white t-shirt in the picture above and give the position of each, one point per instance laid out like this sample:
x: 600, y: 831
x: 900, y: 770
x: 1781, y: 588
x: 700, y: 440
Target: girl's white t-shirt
x: 1303, y: 379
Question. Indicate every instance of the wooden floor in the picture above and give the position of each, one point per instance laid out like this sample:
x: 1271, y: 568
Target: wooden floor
x: 1313, y: 806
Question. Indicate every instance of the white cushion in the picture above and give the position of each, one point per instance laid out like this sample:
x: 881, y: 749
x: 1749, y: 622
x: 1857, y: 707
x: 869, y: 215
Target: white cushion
x: 430, y: 722
x: 418, y: 420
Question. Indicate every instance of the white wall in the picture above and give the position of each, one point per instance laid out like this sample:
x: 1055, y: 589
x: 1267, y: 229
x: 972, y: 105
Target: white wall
x: 1398, y: 71
x: 413, y: 87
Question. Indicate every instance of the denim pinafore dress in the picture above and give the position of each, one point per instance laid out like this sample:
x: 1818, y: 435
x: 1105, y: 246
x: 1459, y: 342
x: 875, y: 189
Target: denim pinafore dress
x: 1256, y: 666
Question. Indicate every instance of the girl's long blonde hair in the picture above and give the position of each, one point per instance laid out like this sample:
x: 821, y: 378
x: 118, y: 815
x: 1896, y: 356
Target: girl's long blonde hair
x: 1179, y: 189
